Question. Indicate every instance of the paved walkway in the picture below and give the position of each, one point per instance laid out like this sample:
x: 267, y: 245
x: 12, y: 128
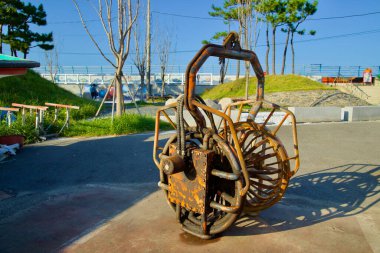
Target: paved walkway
x: 100, y: 195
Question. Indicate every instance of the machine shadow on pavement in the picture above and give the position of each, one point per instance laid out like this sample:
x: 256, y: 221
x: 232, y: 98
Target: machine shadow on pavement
x: 317, y: 197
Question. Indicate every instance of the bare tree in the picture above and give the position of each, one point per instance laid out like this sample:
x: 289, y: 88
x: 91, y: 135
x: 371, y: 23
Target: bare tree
x: 140, y: 59
x: 52, y: 65
x: 81, y: 88
x: 118, y: 36
x: 163, y: 53
x: 148, y: 53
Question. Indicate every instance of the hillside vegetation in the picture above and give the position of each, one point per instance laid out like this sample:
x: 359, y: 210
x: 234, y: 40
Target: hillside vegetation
x: 32, y: 89
x: 35, y: 90
x: 278, y: 83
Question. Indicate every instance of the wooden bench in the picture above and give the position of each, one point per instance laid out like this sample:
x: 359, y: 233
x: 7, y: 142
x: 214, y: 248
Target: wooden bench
x: 56, y: 108
x: 40, y: 110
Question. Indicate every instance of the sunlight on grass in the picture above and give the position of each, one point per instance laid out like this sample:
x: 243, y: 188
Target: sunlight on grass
x: 272, y: 84
x: 126, y: 124
x: 32, y: 89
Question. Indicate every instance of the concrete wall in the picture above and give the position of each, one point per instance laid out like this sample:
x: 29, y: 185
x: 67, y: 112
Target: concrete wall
x: 362, y: 113
x: 316, y: 114
x: 174, y: 90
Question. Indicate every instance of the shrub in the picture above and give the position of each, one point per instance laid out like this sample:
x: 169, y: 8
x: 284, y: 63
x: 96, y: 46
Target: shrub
x: 27, y: 130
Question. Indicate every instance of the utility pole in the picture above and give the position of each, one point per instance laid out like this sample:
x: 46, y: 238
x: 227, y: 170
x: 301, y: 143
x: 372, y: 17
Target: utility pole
x: 148, y: 47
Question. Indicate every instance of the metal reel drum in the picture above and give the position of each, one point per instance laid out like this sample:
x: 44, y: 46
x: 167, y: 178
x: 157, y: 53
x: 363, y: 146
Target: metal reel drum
x: 267, y: 163
x: 222, y: 201
x: 207, y: 177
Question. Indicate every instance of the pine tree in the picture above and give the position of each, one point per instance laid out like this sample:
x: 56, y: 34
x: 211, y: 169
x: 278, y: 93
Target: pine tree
x: 17, y: 17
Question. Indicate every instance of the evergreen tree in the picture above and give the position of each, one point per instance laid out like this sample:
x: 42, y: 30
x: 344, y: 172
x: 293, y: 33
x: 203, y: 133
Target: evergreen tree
x: 298, y: 11
x: 17, y: 17
x: 274, y: 13
x: 232, y: 10
x: 8, y: 17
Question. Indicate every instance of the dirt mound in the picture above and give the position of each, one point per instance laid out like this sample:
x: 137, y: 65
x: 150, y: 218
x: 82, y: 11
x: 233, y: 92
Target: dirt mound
x: 314, y: 98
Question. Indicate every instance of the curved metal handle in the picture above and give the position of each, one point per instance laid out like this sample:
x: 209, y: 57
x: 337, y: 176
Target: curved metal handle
x: 231, y: 50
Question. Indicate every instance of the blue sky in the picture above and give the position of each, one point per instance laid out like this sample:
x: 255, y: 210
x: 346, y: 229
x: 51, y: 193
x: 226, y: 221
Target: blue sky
x: 187, y: 34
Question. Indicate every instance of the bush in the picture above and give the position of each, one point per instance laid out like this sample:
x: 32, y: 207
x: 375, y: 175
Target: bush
x: 85, y: 111
x: 27, y: 130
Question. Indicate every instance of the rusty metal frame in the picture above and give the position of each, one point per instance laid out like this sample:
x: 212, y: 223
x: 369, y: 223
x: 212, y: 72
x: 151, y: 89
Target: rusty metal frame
x: 226, y: 138
x: 274, y: 107
x: 224, y: 51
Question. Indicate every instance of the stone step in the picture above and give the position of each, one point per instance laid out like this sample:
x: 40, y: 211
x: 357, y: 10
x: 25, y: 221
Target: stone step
x: 373, y: 93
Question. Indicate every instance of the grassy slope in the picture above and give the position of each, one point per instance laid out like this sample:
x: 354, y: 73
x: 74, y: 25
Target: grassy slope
x: 35, y: 90
x: 272, y: 84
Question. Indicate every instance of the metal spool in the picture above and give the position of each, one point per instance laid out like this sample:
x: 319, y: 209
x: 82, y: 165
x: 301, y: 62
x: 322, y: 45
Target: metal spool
x: 209, y: 174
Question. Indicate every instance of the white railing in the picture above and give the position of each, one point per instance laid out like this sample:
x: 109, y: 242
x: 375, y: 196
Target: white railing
x: 105, y: 79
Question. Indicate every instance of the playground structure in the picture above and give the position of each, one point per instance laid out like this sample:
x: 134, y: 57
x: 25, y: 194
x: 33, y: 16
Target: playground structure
x: 9, y: 113
x: 211, y: 173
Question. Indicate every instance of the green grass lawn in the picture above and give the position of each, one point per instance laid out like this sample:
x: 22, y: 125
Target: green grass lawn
x: 276, y: 83
x: 125, y: 124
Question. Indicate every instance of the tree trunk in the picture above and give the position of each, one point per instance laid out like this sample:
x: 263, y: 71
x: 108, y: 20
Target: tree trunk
x: 163, y: 83
x: 274, y: 50
x: 293, y: 54
x: 247, y: 64
x: 142, y: 86
x: 238, y: 62
x: 119, y: 93
x: 1, y: 38
x: 25, y: 55
x: 237, y: 70
x: 222, y: 74
x: 268, y: 49
x: 148, y: 47
x: 285, y: 50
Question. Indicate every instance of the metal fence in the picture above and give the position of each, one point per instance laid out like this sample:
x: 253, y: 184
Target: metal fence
x: 337, y: 71
x: 175, y: 73
x: 132, y: 70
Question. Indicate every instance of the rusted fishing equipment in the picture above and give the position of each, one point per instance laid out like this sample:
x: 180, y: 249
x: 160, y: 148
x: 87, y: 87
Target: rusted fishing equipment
x: 214, y: 170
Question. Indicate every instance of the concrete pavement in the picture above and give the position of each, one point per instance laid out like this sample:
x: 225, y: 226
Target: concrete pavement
x: 99, y: 195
